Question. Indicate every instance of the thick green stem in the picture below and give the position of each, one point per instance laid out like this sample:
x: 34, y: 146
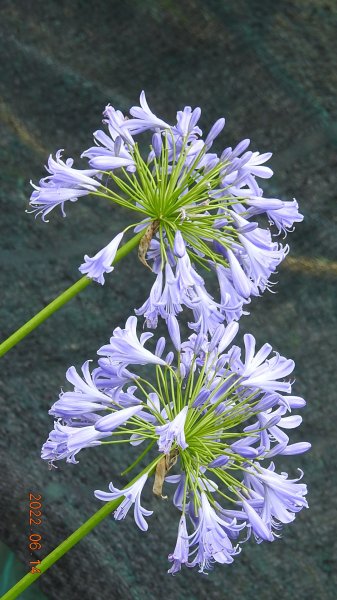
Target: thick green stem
x: 62, y: 299
x: 64, y: 547
x: 73, y: 539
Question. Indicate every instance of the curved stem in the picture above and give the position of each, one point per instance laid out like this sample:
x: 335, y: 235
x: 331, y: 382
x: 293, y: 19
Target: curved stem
x: 62, y: 299
x: 56, y: 554
x: 73, y: 539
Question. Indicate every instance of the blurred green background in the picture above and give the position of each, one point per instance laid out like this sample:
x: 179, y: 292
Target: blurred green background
x: 270, y: 68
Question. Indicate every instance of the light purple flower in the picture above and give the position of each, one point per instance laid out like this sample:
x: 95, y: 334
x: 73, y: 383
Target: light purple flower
x: 220, y: 461
x: 178, y: 497
x: 157, y: 144
x: 257, y: 372
x: 126, y: 349
x: 150, y: 308
x: 281, y: 498
x: 109, y: 153
x: 285, y: 217
x: 241, y: 282
x: 179, y: 245
x: 174, y: 331
x: 245, y: 449
x: 173, y: 432
x: 259, y: 527
x: 111, y: 377
x: 187, y: 123
x: 180, y: 554
x: 144, y: 118
x: 64, y: 183
x: 114, y: 119
x: 283, y: 214
x: 163, y: 300
x: 113, y: 420
x: 297, y: 448
x: 172, y: 298
x: 131, y: 496
x: 66, y: 441
x: 180, y: 480
x: 239, y: 175
x: 231, y: 301
x: 211, y: 539
x: 206, y: 312
x: 271, y: 425
x: 215, y: 130
x: 261, y: 255
x: 85, y: 397
x: 99, y: 264
x: 253, y: 165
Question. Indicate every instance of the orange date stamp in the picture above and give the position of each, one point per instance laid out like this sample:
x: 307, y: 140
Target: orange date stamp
x: 35, y: 520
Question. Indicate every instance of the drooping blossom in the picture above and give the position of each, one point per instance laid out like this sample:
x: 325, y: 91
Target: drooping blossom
x: 99, y: 264
x: 131, y: 496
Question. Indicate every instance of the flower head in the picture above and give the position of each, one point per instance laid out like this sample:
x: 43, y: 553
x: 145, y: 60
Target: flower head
x: 195, y: 207
x: 213, y: 417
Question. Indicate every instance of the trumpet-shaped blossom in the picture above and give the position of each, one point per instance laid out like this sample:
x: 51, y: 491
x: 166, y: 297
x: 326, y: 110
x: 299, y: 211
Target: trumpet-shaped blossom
x: 257, y: 524
x: 173, y: 432
x: 179, y: 555
x: 280, y: 498
x: 125, y: 348
x: 144, y: 119
x: 206, y: 413
x: 114, y: 420
x: 85, y: 397
x: 131, y: 496
x: 211, y: 539
x: 65, y: 441
x: 280, y: 213
x: 99, y: 264
x: 64, y: 183
x: 109, y: 153
x: 257, y: 372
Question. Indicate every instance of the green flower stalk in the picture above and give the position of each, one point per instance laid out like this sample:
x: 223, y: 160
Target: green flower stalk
x: 61, y: 300
x: 30, y: 578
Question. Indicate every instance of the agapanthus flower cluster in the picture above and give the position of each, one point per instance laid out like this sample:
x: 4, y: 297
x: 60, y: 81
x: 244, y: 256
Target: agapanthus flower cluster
x: 213, y: 416
x: 211, y: 420
x: 198, y: 210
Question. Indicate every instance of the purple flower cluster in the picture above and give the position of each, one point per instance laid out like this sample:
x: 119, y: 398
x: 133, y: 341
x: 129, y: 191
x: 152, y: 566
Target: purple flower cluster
x: 178, y: 284
x: 214, y: 415
x: 202, y: 208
